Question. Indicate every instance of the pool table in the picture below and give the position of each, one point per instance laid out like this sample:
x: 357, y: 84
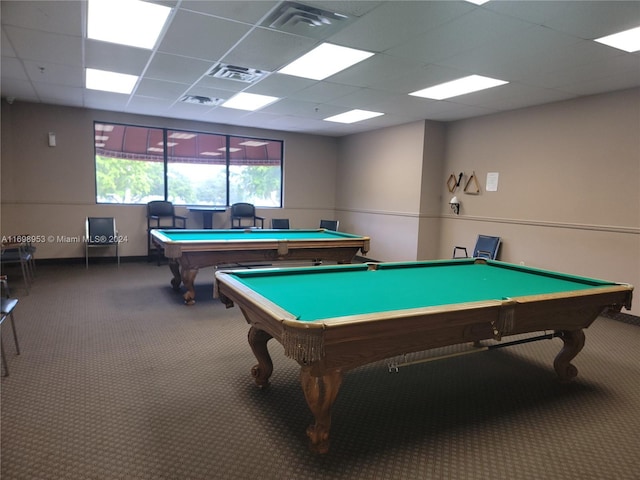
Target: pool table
x: 331, y: 319
x: 190, y: 250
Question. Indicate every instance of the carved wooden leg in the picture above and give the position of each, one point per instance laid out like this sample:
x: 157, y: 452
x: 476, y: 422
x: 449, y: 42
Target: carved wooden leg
x: 174, y: 266
x: 573, y: 343
x: 188, y: 279
x: 320, y: 393
x: 262, y: 371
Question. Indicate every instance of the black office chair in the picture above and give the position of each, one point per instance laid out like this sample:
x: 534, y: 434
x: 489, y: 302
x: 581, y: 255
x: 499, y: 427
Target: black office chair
x: 8, y: 305
x: 486, y: 247
x: 280, y: 223
x: 245, y: 212
x: 161, y: 214
x: 101, y: 232
x: 329, y: 224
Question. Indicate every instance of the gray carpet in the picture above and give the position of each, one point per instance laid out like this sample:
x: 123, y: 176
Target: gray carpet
x: 118, y: 380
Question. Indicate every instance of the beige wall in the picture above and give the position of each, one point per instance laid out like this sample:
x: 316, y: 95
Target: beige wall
x: 568, y: 196
x: 378, y: 188
x: 49, y: 191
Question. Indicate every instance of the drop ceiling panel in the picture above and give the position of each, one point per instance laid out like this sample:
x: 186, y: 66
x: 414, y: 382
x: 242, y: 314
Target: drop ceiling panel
x: 543, y: 48
x: 42, y: 46
x: 149, y: 87
x: 59, y: 94
x: 248, y: 12
x: 586, y: 19
x: 278, y: 85
x: 46, y: 16
x: 268, y: 50
x: 394, y: 23
x: 201, y: 36
x: 53, y: 73
x: 176, y: 68
x: 12, y: 68
x: 7, y: 48
x: 321, y: 92
x: 459, y: 35
x: 116, y: 58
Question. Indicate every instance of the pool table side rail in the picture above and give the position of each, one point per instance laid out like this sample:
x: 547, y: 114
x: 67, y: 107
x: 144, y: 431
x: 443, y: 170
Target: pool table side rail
x: 168, y: 236
x: 351, y: 341
x: 175, y: 249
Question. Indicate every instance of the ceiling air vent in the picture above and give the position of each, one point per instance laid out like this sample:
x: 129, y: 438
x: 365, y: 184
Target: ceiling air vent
x: 239, y: 74
x: 198, y: 100
x: 299, y: 19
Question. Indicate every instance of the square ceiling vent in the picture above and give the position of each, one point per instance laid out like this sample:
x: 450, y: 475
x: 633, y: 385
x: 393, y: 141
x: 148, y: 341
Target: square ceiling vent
x: 200, y: 100
x: 239, y: 74
x: 300, y: 19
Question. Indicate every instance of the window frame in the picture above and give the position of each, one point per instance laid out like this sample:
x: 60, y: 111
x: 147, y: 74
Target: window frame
x: 166, y: 156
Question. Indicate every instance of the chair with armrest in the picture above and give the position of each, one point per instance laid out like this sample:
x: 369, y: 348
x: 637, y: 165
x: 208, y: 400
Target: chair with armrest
x: 329, y: 224
x: 8, y: 305
x: 100, y: 232
x: 161, y: 214
x: 280, y: 223
x: 486, y: 247
x: 19, y: 253
x: 245, y: 212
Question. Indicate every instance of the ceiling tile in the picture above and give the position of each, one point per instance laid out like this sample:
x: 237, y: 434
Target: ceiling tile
x: 54, y: 73
x: 267, y: 50
x: 115, y: 58
x: 176, y: 68
x: 46, y: 47
x: 544, y: 49
x: 201, y: 36
x: 394, y: 23
x: 46, y: 16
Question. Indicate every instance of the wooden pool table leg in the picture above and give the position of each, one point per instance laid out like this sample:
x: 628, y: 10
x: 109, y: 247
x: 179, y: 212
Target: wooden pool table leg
x: 174, y: 266
x: 320, y: 393
x: 573, y: 342
x: 262, y: 371
x: 188, y: 279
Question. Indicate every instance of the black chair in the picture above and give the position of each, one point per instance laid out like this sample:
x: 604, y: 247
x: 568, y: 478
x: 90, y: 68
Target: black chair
x: 8, y: 305
x: 161, y: 214
x: 329, y: 224
x: 245, y: 212
x: 19, y: 254
x: 280, y: 223
x: 486, y: 247
x: 101, y: 232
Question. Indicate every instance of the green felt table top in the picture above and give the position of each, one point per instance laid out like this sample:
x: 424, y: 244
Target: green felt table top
x: 180, y: 235
x: 317, y: 293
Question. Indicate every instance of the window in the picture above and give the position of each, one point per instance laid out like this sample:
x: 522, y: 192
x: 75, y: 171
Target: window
x: 139, y: 164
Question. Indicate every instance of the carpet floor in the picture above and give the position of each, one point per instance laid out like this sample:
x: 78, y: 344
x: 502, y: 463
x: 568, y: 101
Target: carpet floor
x: 118, y: 379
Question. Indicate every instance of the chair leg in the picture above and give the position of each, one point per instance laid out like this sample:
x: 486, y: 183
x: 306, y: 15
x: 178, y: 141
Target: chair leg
x: 4, y: 358
x: 15, y: 334
x: 25, y: 276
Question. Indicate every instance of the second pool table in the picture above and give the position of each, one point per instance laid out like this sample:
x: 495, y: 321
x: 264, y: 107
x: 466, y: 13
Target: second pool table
x: 190, y: 250
x: 331, y: 319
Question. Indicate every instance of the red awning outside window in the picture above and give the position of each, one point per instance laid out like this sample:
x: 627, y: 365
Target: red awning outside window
x: 144, y: 143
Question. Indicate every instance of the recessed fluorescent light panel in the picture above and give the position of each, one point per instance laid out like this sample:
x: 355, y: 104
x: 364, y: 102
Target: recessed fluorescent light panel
x: 478, y: 2
x: 249, y: 101
x: 324, y: 61
x: 131, y: 22
x: 353, y: 116
x: 110, y: 81
x: 629, y: 40
x: 461, y: 86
